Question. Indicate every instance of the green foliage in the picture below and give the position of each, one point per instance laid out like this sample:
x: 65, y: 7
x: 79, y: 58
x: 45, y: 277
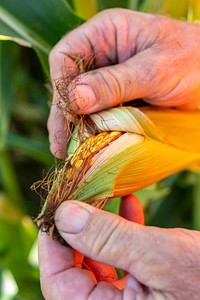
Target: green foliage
x: 17, y: 231
x: 24, y: 148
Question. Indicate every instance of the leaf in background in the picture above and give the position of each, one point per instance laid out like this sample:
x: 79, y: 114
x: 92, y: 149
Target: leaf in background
x: 113, y: 205
x: 196, y: 10
x: 6, y: 33
x: 85, y: 11
x: 153, y: 6
x: 133, y: 4
x: 38, y: 150
x: 41, y: 23
x: 8, y: 175
x: 196, y: 202
x: 18, y: 234
x: 6, y: 91
x: 103, y: 4
x: 176, y: 209
x: 16, y: 40
x: 44, y: 61
x: 177, y: 10
x: 193, y: 10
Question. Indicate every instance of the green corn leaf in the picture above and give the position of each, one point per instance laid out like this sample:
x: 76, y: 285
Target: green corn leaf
x: 6, y: 33
x: 103, y: 4
x: 6, y: 91
x: 41, y: 23
x: 38, y: 150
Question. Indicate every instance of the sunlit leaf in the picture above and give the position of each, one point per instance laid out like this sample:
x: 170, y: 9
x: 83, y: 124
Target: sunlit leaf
x: 177, y: 10
x: 85, y: 11
x: 16, y: 40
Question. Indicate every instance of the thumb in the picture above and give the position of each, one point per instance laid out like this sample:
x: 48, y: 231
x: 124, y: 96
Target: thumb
x: 109, y: 86
x: 110, y: 239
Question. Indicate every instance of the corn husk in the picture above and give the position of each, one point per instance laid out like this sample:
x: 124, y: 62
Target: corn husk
x: 122, y: 150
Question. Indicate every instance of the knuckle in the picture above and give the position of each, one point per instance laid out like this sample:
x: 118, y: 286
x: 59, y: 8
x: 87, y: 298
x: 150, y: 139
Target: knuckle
x: 100, y: 238
x: 111, y: 87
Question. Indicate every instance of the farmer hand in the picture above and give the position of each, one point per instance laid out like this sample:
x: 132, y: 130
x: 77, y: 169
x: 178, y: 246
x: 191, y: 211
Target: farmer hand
x: 136, y: 55
x: 161, y: 263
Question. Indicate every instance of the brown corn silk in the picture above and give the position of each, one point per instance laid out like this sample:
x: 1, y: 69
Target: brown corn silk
x: 122, y: 150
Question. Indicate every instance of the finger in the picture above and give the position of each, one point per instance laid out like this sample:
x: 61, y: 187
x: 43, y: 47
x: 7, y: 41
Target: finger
x: 57, y: 131
x: 99, y: 37
x: 57, y: 270
x: 112, y: 85
x: 101, y: 271
x: 62, y: 258
x: 108, y: 85
x: 95, y: 233
x: 131, y: 209
x: 113, y: 240
x: 133, y: 288
x: 81, y: 42
x: 59, y: 280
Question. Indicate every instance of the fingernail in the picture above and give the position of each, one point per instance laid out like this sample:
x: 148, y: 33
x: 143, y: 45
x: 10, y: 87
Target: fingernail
x: 83, y: 99
x: 71, y: 217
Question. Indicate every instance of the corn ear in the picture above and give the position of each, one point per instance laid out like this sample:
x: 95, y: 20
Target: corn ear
x: 128, y: 149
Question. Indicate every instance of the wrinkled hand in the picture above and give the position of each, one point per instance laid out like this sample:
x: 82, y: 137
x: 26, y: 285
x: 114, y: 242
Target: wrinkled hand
x: 136, y: 55
x: 161, y: 263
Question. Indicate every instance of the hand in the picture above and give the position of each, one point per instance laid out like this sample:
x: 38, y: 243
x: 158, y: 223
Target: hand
x: 131, y: 209
x: 136, y: 55
x: 161, y: 263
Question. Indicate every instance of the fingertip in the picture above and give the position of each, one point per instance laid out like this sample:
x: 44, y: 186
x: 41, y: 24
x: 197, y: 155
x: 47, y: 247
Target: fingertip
x: 102, y: 272
x: 131, y: 209
x: 83, y: 99
x: 57, y: 151
x: 71, y: 217
x: 94, y: 91
x: 53, y: 257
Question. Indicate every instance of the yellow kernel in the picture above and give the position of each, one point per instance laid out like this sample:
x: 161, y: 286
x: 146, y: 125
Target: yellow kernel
x: 78, y: 163
x: 90, y: 146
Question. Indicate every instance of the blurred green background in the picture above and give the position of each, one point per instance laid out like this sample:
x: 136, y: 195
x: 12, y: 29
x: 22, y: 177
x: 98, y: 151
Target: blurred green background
x: 24, y: 149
